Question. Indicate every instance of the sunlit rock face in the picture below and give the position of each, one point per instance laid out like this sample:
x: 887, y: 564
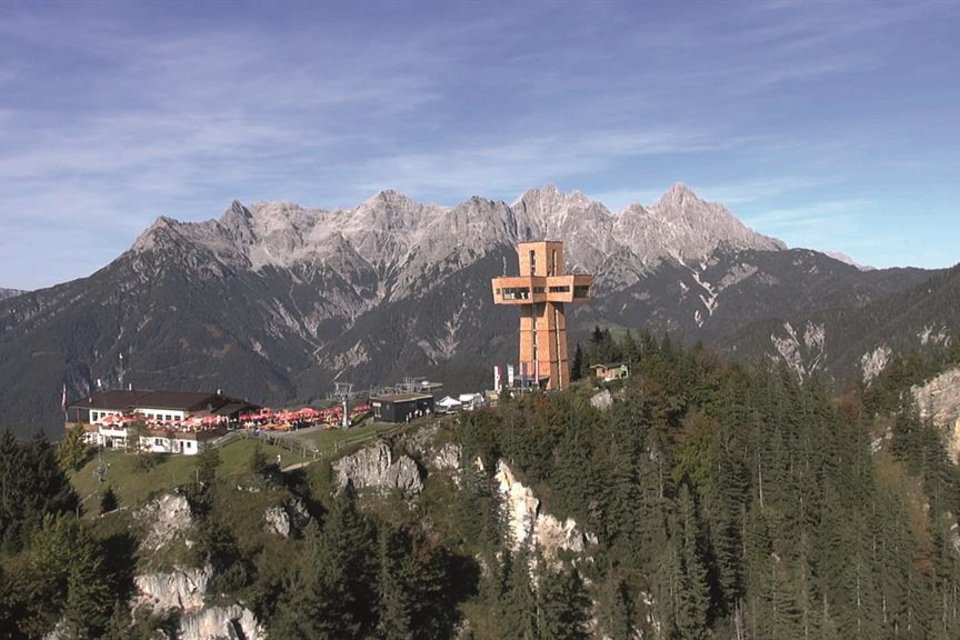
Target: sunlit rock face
x: 939, y: 401
x: 182, y: 588
x: 528, y: 527
x: 375, y: 467
x: 221, y: 623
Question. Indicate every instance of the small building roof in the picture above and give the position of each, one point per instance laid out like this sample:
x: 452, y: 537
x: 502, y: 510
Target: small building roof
x: 607, y: 365
x: 402, y: 397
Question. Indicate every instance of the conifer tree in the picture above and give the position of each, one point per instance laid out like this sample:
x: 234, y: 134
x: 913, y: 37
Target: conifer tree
x: 564, y: 605
x: 629, y: 348
x: 69, y: 564
x: 207, y: 462
x: 108, y: 501
x: 258, y: 460
x: 615, y: 610
x: 351, y: 541
x: 693, y: 595
x: 518, y: 612
x: 72, y: 450
x: 725, y: 504
x: 576, y: 366
x: 396, y: 588
x: 32, y: 484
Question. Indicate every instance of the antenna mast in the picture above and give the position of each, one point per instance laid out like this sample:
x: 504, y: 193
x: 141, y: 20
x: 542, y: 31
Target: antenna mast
x: 343, y: 393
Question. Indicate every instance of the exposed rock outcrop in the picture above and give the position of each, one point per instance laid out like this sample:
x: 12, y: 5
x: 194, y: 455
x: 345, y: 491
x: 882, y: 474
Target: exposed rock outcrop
x: 602, y: 400
x: 527, y: 525
x: 167, y: 518
x: 803, y: 353
x: 939, y: 401
x: 221, y: 623
x: 446, y: 458
x: 375, y: 467
x: 286, y: 519
x: 278, y: 521
x: 183, y: 588
x: 872, y: 363
x: 420, y: 441
x: 436, y: 457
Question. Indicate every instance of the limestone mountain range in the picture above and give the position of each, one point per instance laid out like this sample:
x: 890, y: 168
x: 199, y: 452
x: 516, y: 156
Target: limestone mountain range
x: 274, y: 301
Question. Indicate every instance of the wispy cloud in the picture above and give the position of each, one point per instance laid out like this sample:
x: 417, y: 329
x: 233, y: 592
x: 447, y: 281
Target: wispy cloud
x: 112, y: 114
x: 505, y: 167
x: 813, y: 215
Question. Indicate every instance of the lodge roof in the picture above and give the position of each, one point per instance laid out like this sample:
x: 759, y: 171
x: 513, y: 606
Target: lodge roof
x: 402, y: 397
x: 126, y: 399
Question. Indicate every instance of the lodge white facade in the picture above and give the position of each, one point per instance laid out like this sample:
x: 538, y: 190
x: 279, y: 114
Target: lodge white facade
x: 167, y: 421
x: 119, y: 437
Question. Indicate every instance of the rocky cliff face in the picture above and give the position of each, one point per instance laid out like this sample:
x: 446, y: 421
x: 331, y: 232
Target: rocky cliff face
x: 221, y: 623
x: 287, y: 519
x: 530, y: 527
x: 168, y: 521
x: 183, y: 588
x: 375, y: 467
x: 803, y: 350
x: 939, y: 401
x: 167, y: 518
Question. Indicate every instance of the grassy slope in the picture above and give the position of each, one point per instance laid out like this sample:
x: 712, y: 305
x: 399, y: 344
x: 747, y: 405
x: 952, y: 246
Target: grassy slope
x: 133, y: 486
x: 329, y: 441
x: 239, y: 512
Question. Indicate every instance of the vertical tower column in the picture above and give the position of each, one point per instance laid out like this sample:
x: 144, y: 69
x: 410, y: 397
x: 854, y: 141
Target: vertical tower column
x: 527, y: 340
x: 541, y: 291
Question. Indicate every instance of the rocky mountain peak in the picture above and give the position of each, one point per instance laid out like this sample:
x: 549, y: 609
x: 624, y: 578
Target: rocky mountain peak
x: 236, y: 216
x: 163, y: 228
x: 236, y: 208
x: 682, y: 225
x: 390, y: 198
x: 550, y: 199
x: 633, y: 209
x: 679, y: 193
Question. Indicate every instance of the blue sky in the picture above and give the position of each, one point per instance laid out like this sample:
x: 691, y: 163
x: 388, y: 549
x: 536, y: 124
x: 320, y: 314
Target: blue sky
x: 831, y: 125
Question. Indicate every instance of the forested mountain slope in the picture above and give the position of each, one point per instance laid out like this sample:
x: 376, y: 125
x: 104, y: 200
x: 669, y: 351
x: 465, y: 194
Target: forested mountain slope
x: 714, y: 501
x: 848, y: 343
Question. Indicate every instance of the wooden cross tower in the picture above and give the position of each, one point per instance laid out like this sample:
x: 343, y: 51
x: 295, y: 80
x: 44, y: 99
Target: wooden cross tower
x: 541, y: 290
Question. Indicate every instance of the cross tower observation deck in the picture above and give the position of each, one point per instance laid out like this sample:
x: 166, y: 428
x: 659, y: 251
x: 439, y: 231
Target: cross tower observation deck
x: 541, y: 290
